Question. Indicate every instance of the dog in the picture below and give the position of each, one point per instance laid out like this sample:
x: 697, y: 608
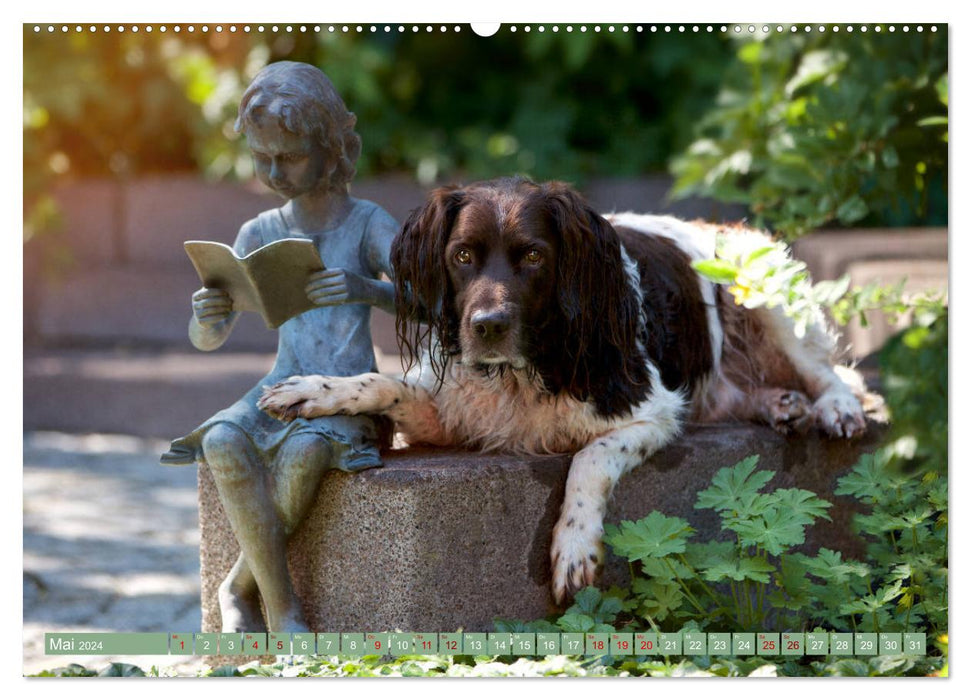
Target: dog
x: 531, y: 324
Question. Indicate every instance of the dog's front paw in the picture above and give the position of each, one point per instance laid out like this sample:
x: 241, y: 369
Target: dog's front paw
x: 577, y: 554
x: 839, y: 414
x: 305, y: 397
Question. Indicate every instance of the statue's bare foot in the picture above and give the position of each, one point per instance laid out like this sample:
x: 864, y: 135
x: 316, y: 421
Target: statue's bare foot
x: 240, y: 613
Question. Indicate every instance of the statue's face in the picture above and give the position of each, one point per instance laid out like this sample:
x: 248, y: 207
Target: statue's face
x: 290, y: 164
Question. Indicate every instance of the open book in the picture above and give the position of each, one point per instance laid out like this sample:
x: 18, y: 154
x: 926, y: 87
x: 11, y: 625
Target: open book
x: 271, y: 280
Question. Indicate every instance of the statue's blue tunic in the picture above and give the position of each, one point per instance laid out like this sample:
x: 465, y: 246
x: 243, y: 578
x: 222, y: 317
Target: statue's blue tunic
x: 328, y: 340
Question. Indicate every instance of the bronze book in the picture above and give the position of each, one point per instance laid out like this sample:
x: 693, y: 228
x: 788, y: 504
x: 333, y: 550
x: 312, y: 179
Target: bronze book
x: 270, y: 281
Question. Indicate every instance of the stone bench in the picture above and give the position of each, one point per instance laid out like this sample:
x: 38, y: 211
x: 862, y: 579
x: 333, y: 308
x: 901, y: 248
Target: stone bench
x: 443, y: 539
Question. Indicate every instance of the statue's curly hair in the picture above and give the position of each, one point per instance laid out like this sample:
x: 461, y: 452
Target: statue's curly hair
x: 305, y: 102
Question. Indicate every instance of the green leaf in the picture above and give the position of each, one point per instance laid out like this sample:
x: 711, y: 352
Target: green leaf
x: 847, y: 667
x: 890, y: 157
x: 941, y: 87
x: 666, y: 568
x: 758, y: 253
x: 865, y: 480
x: 750, y: 568
x: 814, y: 66
x: 227, y: 670
x: 749, y: 505
x: 791, y: 576
x: 801, y: 505
x: 750, y: 53
x: 704, y: 555
x: 829, y: 565
x: 716, y: 270
x: 600, y: 608
x: 829, y: 292
x: 654, y: 536
x: 575, y: 622
x: 504, y: 625
x: 872, y: 603
x: 775, y: 531
x: 734, y: 488
x: 853, y: 209
x: 658, y: 598
x: 120, y: 669
x: 586, y: 601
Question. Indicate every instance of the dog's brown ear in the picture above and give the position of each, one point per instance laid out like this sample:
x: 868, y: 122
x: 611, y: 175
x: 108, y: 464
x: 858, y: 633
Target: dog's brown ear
x: 599, y: 307
x: 591, y: 282
x: 422, y: 287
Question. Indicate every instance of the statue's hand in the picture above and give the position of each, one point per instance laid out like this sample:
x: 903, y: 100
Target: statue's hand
x: 336, y: 286
x: 211, y: 306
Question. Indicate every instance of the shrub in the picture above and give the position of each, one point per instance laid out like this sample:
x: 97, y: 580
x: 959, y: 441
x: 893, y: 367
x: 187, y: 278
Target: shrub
x: 821, y: 128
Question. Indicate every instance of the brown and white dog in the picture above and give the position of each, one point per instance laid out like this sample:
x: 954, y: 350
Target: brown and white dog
x: 533, y: 325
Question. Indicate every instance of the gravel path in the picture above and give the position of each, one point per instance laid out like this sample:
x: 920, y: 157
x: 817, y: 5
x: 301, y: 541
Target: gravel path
x: 111, y: 543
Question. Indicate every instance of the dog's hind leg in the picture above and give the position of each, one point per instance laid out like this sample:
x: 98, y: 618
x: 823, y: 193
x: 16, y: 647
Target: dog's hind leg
x: 836, y: 392
x: 787, y: 411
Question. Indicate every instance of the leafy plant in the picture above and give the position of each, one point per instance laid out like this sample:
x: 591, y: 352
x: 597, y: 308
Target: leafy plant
x: 756, y: 580
x: 561, y: 665
x: 906, y: 531
x: 761, y: 274
x: 827, y: 127
x: 914, y: 377
x: 746, y: 584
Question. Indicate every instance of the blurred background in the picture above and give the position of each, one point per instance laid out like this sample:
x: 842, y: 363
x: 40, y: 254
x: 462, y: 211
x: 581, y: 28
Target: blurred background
x: 129, y: 150
x: 835, y: 141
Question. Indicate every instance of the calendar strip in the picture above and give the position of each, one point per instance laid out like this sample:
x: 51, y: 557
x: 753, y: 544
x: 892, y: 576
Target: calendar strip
x: 680, y: 643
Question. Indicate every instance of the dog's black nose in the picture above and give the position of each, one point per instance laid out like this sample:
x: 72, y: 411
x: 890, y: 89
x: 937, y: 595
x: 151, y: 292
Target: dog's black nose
x: 490, y: 325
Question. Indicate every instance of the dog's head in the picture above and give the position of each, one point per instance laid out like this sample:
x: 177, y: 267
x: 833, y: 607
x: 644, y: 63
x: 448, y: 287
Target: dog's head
x: 514, y: 274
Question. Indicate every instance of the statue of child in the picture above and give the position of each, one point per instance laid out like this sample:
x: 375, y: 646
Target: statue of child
x: 268, y: 472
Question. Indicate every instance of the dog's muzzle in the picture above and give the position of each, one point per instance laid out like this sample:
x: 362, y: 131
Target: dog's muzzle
x: 491, y: 326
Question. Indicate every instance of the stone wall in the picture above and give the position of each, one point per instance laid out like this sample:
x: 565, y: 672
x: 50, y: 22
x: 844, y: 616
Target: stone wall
x: 123, y: 276
x: 441, y: 539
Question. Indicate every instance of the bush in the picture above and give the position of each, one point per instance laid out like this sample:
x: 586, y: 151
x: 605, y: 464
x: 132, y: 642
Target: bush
x: 555, y: 105
x: 828, y: 128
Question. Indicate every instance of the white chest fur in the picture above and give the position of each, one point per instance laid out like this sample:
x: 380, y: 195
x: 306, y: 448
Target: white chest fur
x: 508, y: 412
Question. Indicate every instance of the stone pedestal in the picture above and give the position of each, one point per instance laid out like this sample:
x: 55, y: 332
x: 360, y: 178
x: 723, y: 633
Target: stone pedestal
x: 440, y: 539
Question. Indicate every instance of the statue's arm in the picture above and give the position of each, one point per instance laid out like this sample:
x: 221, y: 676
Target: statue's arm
x: 382, y: 229
x: 213, y: 317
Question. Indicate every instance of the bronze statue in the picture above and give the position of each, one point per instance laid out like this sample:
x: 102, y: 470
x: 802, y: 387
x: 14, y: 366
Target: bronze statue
x: 267, y: 472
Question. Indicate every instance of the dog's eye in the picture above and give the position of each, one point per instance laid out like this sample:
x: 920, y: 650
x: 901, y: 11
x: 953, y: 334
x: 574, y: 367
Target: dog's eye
x: 533, y: 256
x: 463, y: 256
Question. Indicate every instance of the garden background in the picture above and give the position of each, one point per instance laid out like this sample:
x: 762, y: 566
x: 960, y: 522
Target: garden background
x: 129, y: 150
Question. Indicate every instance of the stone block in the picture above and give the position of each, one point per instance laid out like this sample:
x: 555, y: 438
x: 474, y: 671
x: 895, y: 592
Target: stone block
x: 650, y: 194
x: 829, y: 254
x: 442, y: 539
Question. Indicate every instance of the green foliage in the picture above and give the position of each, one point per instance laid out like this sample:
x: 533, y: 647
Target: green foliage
x: 757, y: 580
x: 654, y: 536
x: 570, y: 666
x: 125, y: 103
x: 78, y: 671
x: 116, y: 105
x: 825, y: 128
x: 764, y: 275
x: 906, y: 533
x: 914, y: 376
